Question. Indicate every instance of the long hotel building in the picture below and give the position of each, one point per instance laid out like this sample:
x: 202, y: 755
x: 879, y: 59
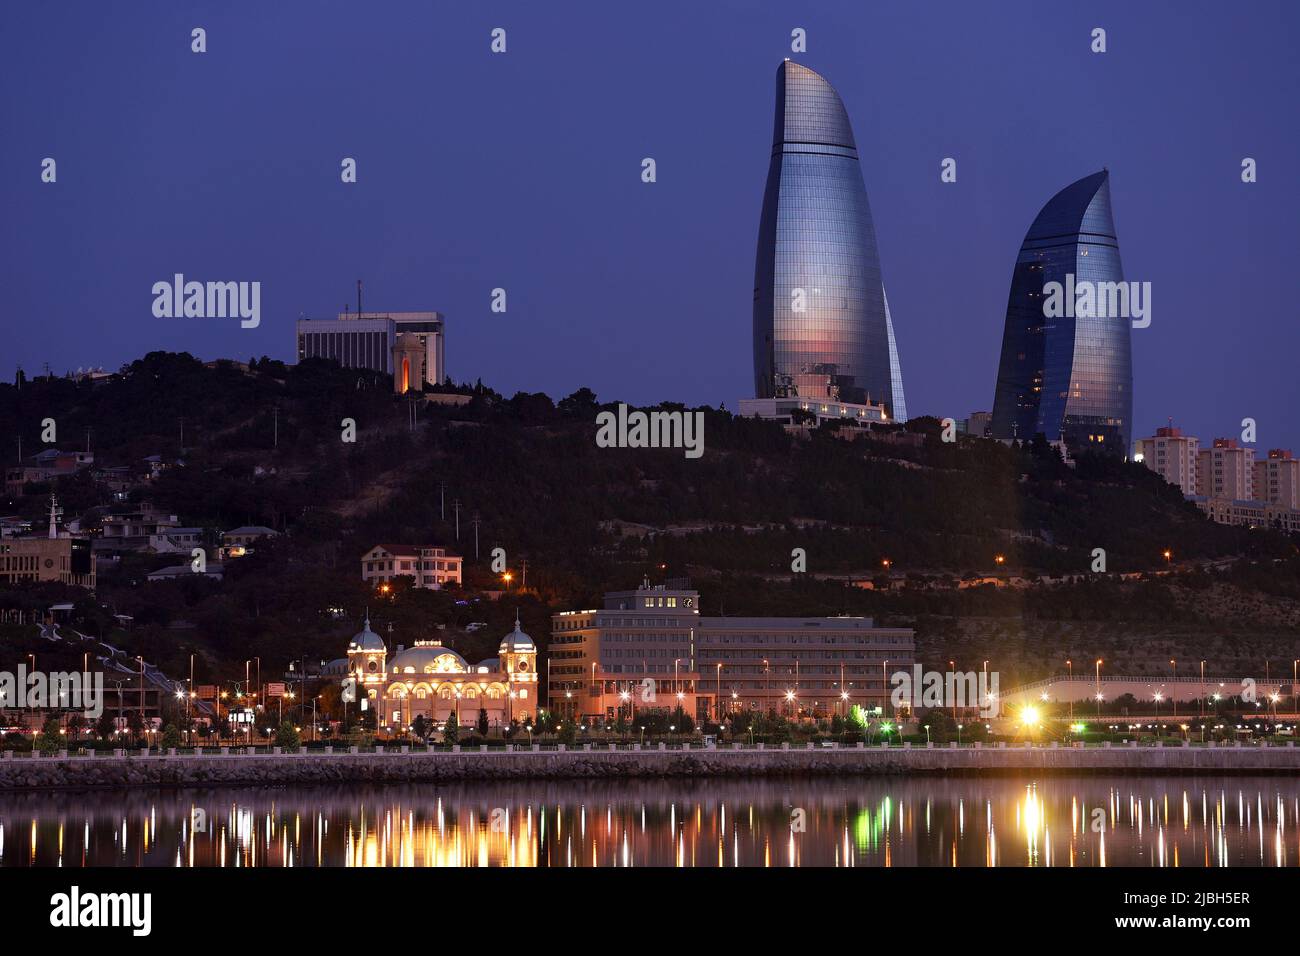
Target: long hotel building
x: 651, y: 649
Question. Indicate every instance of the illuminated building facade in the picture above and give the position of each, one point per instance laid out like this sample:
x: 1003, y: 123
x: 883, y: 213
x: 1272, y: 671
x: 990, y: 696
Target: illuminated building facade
x: 64, y: 559
x: 1069, y: 378
x: 651, y: 649
x: 431, y: 680
x: 822, y: 328
x: 1173, y: 456
x: 369, y: 340
x: 427, y: 566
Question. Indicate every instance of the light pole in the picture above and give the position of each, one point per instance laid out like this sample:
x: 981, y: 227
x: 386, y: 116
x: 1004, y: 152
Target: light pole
x: 1070, y: 667
x: 1173, y: 694
x: 1294, y: 665
x: 952, y: 669
x: 1202, y: 698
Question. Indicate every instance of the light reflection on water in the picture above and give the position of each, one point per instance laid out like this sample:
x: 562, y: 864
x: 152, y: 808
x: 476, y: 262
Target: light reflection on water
x: 973, y: 822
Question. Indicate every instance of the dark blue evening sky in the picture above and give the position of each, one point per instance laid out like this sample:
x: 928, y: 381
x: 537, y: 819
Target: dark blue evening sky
x: 522, y: 170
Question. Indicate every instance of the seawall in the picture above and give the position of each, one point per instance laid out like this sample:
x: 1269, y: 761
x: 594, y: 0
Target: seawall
x: 112, y: 772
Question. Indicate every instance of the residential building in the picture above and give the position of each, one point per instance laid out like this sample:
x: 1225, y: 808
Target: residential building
x: 1173, y: 456
x: 1226, y: 470
x: 1277, y: 478
x: 429, y: 566
x: 246, y: 535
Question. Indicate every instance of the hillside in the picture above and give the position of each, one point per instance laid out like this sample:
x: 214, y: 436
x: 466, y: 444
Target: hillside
x: 262, y: 445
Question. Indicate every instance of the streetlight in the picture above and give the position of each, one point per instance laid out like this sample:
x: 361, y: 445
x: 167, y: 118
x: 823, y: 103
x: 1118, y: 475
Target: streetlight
x: 1070, y: 667
x: 1173, y: 695
x: 952, y: 669
x: 1202, y: 697
x: 719, y: 702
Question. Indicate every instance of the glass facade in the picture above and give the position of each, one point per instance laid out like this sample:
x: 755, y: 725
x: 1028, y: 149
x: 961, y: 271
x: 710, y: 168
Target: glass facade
x: 821, y: 324
x: 1069, y: 378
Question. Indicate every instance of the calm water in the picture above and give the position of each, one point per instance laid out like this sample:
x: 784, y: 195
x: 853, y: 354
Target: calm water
x: 1053, y: 821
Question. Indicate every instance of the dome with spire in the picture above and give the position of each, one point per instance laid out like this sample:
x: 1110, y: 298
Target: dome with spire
x: 517, y: 642
x: 366, y: 640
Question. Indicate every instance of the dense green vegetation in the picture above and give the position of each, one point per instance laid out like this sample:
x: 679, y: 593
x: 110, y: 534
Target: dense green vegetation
x: 262, y: 445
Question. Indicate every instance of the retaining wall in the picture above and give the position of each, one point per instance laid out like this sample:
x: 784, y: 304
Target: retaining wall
x: 316, y: 768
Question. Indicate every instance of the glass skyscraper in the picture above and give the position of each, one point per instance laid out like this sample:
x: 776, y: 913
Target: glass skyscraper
x: 822, y: 327
x: 1069, y: 378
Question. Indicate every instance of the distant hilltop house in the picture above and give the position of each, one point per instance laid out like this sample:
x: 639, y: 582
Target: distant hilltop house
x: 174, y: 571
x: 137, y: 528
x: 432, y: 681
x: 155, y: 465
x: 47, y: 464
x: 428, y: 566
x: 246, y: 535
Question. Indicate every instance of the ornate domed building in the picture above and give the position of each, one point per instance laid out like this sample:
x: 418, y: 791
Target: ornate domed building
x: 431, y: 680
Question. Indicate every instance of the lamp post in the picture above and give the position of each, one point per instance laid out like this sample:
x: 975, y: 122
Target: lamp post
x: 952, y: 669
x: 1294, y: 665
x: 1202, y: 697
x: 1173, y: 694
x: 1098, y: 688
x: 884, y: 685
x: 718, y: 707
x: 1070, y: 667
